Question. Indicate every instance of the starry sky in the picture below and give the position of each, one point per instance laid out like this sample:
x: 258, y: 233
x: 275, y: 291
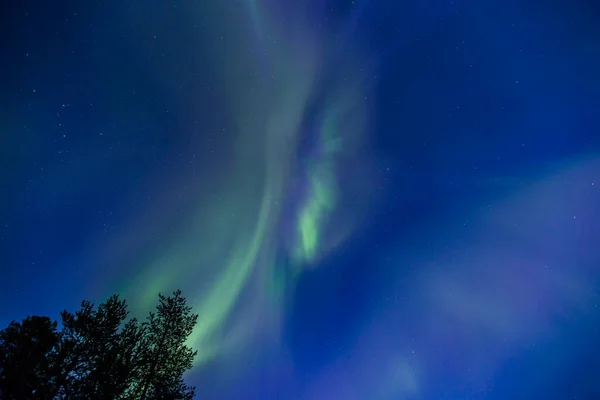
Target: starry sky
x: 367, y: 199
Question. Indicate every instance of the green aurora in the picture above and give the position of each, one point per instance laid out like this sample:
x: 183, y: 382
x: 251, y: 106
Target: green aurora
x: 280, y: 199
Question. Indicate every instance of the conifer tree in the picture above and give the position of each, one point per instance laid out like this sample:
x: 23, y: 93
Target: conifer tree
x: 100, y: 354
x: 166, y: 355
x: 26, y: 368
x: 97, y: 366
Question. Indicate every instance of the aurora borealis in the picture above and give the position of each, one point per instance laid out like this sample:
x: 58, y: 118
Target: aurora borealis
x: 361, y: 200
x: 299, y: 119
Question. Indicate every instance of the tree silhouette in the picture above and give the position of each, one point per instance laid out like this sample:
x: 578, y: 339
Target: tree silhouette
x: 165, y: 353
x: 98, y: 351
x: 26, y: 362
x: 100, y: 354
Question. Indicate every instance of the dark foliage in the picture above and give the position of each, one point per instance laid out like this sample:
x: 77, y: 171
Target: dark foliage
x: 164, y: 351
x: 26, y: 358
x: 100, y: 354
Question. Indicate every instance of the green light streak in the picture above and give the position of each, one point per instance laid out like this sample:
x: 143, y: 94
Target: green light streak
x: 231, y: 244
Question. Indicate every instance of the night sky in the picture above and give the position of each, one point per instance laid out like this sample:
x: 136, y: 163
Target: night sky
x: 367, y: 199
